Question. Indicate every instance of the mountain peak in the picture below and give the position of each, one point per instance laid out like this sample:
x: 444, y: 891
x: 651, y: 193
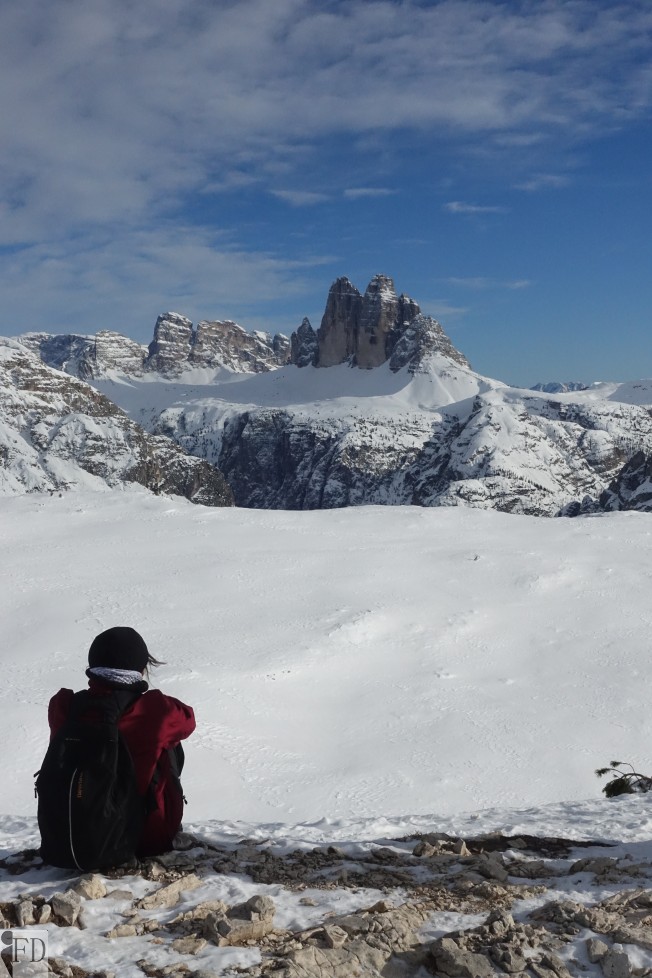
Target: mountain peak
x: 370, y: 329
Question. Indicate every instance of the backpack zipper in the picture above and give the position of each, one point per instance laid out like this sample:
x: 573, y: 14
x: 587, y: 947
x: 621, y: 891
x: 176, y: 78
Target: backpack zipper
x: 70, y: 792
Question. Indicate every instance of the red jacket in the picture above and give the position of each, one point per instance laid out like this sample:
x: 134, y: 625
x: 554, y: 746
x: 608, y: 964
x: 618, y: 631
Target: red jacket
x: 150, y: 726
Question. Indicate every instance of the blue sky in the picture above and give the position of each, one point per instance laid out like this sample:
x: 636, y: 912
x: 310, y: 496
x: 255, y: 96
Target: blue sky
x: 230, y: 158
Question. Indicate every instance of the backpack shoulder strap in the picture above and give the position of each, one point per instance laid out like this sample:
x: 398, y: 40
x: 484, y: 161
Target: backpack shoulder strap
x: 104, y: 709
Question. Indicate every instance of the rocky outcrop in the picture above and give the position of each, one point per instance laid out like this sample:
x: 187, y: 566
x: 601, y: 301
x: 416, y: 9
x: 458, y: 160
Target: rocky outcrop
x: 383, y: 317
x: 220, y: 343
x: 632, y: 487
x: 170, y: 348
x: 420, y: 339
x: 176, y: 346
x: 508, y: 452
x: 304, y: 345
x: 57, y: 432
x: 226, y: 344
x: 506, y: 896
x: 560, y: 387
x: 336, y: 337
x: 88, y: 357
x: 362, y: 329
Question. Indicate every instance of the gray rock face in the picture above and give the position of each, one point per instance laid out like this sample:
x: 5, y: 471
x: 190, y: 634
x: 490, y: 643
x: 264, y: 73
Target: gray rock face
x: 225, y: 343
x: 337, y: 335
x: 57, y: 432
x: 632, y: 487
x: 560, y: 387
x: 304, y: 345
x: 173, y: 337
x: 383, y: 318
x: 87, y: 357
x: 362, y: 329
x: 275, y: 458
x: 175, y: 347
x: 421, y: 337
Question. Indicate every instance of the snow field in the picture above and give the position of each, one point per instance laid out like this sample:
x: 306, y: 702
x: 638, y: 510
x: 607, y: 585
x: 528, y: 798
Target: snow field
x: 352, y: 664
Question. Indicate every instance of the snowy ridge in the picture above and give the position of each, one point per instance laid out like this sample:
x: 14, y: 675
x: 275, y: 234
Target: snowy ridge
x: 377, y: 407
x: 439, y: 434
x: 57, y: 432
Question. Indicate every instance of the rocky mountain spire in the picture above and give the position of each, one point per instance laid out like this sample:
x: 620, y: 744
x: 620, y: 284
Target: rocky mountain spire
x: 337, y: 335
x: 360, y: 329
x: 303, y: 345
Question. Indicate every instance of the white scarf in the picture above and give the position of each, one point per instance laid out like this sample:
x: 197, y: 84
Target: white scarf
x: 127, y: 677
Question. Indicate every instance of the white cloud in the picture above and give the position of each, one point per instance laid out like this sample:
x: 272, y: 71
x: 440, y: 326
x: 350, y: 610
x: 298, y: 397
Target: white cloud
x: 544, y: 181
x: 355, y: 193
x: 480, y: 283
x: 134, y: 276
x: 460, y: 207
x: 300, y: 198
x: 442, y: 308
x: 115, y: 113
x: 114, y: 109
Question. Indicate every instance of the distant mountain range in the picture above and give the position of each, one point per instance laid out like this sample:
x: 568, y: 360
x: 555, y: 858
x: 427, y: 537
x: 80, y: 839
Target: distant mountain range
x: 563, y: 387
x: 376, y: 406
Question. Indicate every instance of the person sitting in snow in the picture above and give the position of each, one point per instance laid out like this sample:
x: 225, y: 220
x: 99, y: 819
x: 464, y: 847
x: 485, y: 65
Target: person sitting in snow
x: 152, y: 727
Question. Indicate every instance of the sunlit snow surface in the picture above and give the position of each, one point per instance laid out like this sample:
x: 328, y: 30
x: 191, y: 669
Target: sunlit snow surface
x: 358, y: 675
x: 353, y: 663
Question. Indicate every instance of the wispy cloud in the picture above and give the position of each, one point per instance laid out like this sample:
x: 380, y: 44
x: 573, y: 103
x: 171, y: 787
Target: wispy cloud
x: 354, y: 193
x: 442, y: 308
x: 461, y: 207
x: 119, y: 117
x: 136, y: 275
x: 480, y: 283
x: 114, y: 110
x: 544, y: 181
x: 301, y: 198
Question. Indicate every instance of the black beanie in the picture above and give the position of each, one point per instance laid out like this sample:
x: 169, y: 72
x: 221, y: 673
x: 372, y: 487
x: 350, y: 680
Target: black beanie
x: 119, y: 648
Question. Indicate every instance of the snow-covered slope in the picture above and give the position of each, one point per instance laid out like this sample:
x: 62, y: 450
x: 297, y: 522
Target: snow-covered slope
x: 352, y: 663
x: 58, y: 433
x: 433, y: 433
x: 360, y: 677
x: 377, y: 407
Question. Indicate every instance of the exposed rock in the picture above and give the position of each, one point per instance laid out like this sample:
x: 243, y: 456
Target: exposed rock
x: 292, y: 459
x: 91, y: 887
x: 57, y: 432
x: 338, y: 331
x: 66, y: 906
x: 304, y: 345
x: 615, y: 964
x: 379, y: 316
x: 170, y: 348
x: 24, y: 910
x: 632, y: 487
x: 450, y: 959
x: 44, y: 914
x: 335, y: 936
x: 596, y: 949
x: 189, y: 945
x: 168, y: 896
x: 560, y: 387
x: 362, y: 329
x: 88, y: 357
x: 491, y: 866
x: 357, y: 959
x: 226, y: 344
x: 421, y: 338
x: 124, y: 930
x: 599, y: 865
x: 250, y: 921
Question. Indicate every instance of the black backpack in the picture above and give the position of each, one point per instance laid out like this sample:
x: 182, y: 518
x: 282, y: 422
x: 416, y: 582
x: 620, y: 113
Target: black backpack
x: 90, y: 813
